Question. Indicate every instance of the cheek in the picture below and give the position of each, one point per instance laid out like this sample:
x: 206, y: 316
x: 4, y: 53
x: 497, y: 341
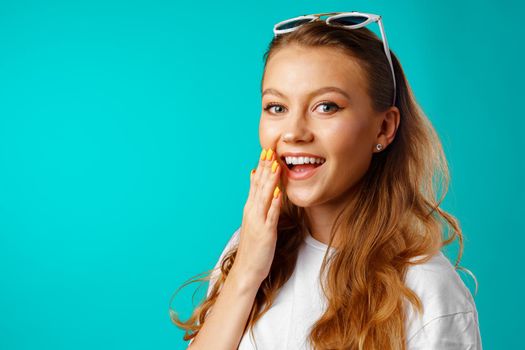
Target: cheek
x: 350, y: 148
x: 268, y: 132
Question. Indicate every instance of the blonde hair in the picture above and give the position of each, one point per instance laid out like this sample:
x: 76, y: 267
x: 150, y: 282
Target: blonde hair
x: 395, y: 210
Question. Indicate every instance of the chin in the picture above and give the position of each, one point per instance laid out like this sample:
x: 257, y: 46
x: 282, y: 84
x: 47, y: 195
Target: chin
x: 301, y: 198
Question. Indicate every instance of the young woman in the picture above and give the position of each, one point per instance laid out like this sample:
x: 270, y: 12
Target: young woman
x: 348, y: 255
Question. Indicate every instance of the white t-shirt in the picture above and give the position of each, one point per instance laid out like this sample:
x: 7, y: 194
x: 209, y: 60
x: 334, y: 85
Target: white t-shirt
x: 449, y: 322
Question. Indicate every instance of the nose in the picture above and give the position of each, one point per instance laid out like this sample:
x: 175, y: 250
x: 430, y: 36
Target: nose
x: 297, y: 128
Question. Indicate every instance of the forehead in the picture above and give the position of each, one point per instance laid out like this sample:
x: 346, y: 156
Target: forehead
x: 297, y: 70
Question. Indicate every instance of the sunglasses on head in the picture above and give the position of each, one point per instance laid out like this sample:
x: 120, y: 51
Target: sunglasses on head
x: 347, y: 20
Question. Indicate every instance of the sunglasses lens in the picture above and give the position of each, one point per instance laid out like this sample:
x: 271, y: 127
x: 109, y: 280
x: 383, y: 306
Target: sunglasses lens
x: 349, y: 20
x: 293, y: 24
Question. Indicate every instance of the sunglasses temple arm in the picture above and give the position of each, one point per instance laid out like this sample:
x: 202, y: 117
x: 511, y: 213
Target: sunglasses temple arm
x: 387, y: 53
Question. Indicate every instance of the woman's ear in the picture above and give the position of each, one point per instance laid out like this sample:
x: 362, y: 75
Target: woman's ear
x: 388, y: 124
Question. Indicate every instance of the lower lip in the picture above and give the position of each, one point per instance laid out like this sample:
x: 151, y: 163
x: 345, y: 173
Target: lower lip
x: 303, y: 175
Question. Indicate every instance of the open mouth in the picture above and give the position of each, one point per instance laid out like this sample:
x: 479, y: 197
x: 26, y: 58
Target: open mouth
x: 302, y: 167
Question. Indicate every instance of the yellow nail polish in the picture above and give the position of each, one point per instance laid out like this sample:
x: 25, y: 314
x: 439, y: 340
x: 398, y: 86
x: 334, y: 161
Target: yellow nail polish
x: 269, y: 154
x: 274, y: 166
x: 263, y: 154
x: 276, y: 192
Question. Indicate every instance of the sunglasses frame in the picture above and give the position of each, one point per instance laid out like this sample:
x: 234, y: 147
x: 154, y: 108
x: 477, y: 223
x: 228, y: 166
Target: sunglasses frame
x: 370, y: 18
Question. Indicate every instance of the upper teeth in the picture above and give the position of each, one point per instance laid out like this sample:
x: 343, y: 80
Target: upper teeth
x: 304, y: 160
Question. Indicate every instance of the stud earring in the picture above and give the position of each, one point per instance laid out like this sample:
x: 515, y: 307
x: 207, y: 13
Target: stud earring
x: 379, y: 147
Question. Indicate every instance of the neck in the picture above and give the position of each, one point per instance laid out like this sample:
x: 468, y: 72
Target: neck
x: 321, y: 218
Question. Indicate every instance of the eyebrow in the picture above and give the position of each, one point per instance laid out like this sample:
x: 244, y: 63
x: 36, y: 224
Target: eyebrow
x: 313, y: 93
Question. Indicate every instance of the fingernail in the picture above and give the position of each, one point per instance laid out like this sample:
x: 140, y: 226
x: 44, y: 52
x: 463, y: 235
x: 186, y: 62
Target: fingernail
x: 276, y: 192
x: 269, y: 154
x: 263, y: 154
x: 274, y: 166
x: 252, y: 172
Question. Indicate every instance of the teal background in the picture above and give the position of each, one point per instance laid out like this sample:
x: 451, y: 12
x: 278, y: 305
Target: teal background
x: 128, y: 130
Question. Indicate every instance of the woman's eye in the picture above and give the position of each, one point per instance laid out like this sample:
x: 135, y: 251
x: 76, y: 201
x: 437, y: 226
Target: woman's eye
x: 271, y: 105
x: 281, y: 107
x: 330, y: 104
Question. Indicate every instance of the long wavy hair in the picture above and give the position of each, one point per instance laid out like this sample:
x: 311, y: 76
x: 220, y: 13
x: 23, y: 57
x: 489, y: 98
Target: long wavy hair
x: 395, y: 209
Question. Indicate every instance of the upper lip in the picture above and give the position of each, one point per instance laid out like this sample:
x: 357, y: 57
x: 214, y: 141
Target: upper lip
x: 300, y: 154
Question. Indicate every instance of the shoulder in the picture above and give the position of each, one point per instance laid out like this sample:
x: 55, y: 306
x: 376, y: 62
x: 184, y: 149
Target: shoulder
x: 439, y: 287
x: 449, y: 312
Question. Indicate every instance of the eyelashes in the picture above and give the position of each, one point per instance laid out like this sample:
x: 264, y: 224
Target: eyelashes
x: 270, y: 105
x: 331, y: 104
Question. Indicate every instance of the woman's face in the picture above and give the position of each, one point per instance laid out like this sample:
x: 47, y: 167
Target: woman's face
x: 339, y: 126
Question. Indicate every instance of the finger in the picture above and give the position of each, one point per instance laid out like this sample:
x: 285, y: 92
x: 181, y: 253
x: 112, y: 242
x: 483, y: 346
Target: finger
x: 265, y: 171
x: 252, y: 186
x: 272, y: 173
x: 255, y: 178
x: 258, y: 176
x: 275, y: 208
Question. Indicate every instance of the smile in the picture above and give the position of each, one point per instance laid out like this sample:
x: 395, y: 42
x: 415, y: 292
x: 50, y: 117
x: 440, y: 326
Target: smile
x: 302, y: 171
